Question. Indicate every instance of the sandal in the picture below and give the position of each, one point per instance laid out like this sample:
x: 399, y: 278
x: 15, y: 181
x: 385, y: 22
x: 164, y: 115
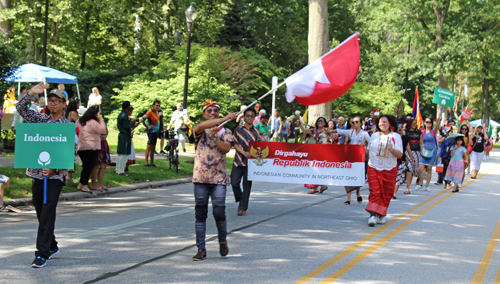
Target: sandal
x: 454, y: 190
x: 347, y: 203
x: 360, y: 199
x: 105, y: 188
x: 407, y: 191
x: 323, y: 190
x: 312, y: 191
x: 86, y: 191
x: 98, y: 189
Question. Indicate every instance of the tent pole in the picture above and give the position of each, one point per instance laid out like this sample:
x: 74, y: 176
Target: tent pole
x: 78, y: 91
x: 18, y: 89
x: 45, y: 91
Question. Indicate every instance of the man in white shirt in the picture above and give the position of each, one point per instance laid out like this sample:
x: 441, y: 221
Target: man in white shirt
x: 177, y: 116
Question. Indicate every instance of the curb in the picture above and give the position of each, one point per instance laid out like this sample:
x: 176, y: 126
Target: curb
x: 112, y: 190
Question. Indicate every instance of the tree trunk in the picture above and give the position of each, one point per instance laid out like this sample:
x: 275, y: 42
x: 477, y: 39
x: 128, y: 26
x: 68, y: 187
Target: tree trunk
x: 54, y: 38
x: 440, y: 11
x: 486, y: 91
x: 319, y: 44
x: 5, y: 26
x: 86, y: 34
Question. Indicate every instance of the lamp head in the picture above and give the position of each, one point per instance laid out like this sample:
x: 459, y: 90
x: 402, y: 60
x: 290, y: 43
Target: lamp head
x: 191, y: 13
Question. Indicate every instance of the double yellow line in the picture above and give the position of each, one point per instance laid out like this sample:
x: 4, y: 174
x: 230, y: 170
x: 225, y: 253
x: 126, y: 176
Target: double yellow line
x: 348, y: 266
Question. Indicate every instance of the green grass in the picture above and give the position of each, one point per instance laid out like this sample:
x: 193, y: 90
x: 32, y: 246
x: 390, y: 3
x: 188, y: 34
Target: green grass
x: 20, y: 184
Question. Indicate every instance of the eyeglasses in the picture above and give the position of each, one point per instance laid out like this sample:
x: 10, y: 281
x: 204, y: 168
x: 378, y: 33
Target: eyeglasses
x: 214, y: 110
x: 54, y: 102
x: 356, y: 121
x: 428, y: 122
x: 250, y: 116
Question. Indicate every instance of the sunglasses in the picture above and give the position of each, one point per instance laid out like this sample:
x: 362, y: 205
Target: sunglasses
x: 214, y: 110
x: 356, y: 121
x: 428, y: 122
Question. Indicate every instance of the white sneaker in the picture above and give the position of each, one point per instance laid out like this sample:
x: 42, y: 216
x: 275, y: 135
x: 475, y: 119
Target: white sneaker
x: 427, y: 189
x: 372, y: 221
x: 381, y: 220
x: 419, y: 186
x: 460, y: 185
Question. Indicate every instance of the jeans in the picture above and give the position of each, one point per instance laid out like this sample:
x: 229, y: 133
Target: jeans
x: 202, y: 191
x: 46, y: 214
x: 242, y: 197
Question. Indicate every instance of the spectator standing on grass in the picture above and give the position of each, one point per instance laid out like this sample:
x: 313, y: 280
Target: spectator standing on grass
x: 131, y: 157
x: 125, y: 126
x: 277, y: 126
x: 91, y: 126
x: 179, y: 116
x: 161, y: 133
x: 4, y: 180
x: 71, y: 114
x: 46, y: 244
x: 242, y: 137
x: 103, y: 159
x: 285, y: 130
x: 95, y: 99
x: 9, y: 100
x: 210, y: 176
x: 152, y: 128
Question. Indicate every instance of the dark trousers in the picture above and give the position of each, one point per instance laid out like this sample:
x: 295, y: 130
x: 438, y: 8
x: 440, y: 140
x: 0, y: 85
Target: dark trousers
x: 242, y: 197
x: 89, y: 158
x: 46, y: 214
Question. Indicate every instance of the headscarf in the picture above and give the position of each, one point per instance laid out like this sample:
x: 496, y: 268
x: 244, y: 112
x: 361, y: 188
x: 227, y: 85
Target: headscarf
x: 210, y: 103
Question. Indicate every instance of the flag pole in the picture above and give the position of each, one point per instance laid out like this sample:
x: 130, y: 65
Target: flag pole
x: 263, y: 96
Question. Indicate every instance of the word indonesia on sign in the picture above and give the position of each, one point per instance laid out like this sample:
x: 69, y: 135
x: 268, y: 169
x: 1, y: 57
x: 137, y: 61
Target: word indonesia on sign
x: 45, y: 146
x: 323, y: 164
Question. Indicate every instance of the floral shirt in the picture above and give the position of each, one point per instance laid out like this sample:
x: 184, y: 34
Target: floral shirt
x: 209, y: 162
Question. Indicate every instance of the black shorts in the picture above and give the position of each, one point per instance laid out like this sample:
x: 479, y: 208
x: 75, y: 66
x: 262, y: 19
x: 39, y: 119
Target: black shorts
x: 161, y: 135
x: 152, y: 138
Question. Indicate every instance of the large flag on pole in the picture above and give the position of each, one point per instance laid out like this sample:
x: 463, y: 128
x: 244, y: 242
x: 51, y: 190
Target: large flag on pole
x: 327, y: 78
x: 416, y: 110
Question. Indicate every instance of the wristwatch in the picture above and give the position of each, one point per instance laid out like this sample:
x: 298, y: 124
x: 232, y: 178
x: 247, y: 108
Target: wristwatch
x: 216, y: 138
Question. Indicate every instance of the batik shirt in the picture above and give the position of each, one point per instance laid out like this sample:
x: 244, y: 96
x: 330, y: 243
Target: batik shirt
x: 242, y: 137
x: 32, y: 116
x: 209, y: 162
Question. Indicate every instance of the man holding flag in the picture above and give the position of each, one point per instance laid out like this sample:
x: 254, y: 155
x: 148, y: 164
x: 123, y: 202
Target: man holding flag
x: 416, y: 110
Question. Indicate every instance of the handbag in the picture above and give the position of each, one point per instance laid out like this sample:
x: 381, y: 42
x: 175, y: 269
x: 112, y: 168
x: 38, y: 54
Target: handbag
x: 439, y: 168
x: 184, y: 127
x: 427, y: 153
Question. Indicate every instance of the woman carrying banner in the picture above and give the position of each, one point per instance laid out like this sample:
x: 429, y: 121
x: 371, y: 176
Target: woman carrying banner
x: 413, y: 154
x: 385, y: 147
x: 428, y: 148
x: 319, y: 135
x: 356, y: 136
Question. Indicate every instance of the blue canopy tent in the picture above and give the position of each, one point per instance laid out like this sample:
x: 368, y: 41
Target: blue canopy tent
x: 480, y: 121
x: 31, y: 73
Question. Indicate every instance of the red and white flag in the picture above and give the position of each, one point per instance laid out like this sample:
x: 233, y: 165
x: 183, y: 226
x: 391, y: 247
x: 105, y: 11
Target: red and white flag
x: 327, y: 78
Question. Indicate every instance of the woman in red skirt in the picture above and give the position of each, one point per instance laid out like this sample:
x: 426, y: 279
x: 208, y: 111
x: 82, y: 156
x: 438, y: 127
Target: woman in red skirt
x: 385, y: 147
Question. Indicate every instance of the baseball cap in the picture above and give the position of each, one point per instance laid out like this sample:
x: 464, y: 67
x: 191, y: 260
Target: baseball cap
x: 58, y: 93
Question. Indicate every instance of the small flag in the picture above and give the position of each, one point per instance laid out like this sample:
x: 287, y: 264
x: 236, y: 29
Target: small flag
x: 221, y: 130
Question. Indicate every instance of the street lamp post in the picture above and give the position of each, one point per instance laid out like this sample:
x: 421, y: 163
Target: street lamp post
x: 190, y: 17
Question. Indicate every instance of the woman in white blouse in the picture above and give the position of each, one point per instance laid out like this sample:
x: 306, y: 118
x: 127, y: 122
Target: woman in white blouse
x: 385, y: 147
x: 95, y: 98
x: 357, y: 136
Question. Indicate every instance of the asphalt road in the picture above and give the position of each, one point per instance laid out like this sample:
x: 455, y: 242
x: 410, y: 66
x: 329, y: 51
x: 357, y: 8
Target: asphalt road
x: 288, y: 236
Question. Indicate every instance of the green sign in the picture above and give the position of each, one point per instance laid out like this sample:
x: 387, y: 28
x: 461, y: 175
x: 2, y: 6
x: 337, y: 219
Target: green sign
x: 443, y: 97
x: 45, y: 146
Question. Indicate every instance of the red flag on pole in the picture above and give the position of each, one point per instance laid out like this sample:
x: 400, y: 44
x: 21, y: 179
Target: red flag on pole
x: 327, y: 78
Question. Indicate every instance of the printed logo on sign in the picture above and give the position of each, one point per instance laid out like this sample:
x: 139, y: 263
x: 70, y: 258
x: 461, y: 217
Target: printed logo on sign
x: 44, y: 158
x: 259, y: 155
x: 443, y: 102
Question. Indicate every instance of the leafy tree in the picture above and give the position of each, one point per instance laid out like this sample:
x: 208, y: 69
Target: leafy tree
x: 237, y: 31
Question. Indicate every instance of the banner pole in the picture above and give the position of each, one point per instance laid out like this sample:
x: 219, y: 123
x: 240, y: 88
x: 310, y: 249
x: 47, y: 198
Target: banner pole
x: 263, y: 96
x: 45, y: 190
x: 273, y: 106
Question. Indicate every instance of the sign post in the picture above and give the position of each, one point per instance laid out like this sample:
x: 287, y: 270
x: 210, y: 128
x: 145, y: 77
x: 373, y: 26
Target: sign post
x: 443, y: 97
x: 45, y: 146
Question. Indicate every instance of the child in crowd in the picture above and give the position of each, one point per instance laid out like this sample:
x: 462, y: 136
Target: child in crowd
x: 4, y: 180
x: 455, y: 170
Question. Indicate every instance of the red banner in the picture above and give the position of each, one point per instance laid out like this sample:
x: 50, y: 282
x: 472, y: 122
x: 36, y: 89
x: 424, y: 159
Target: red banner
x: 325, y: 164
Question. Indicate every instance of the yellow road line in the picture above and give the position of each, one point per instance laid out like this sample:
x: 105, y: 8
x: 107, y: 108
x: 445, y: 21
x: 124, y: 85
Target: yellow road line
x: 488, y: 255
x: 358, y: 244
x: 348, y: 266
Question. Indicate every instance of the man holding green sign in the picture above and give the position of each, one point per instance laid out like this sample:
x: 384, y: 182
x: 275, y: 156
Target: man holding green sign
x: 43, y: 165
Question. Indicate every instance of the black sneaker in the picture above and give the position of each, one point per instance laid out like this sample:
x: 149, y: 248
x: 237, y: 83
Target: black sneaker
x: 184, y: 150
x: 53, y: 252
x: 162, y: 152
x: 438, y: 183
x: 39, y: 262
x: 156, y: 153
x: 201, y: 255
